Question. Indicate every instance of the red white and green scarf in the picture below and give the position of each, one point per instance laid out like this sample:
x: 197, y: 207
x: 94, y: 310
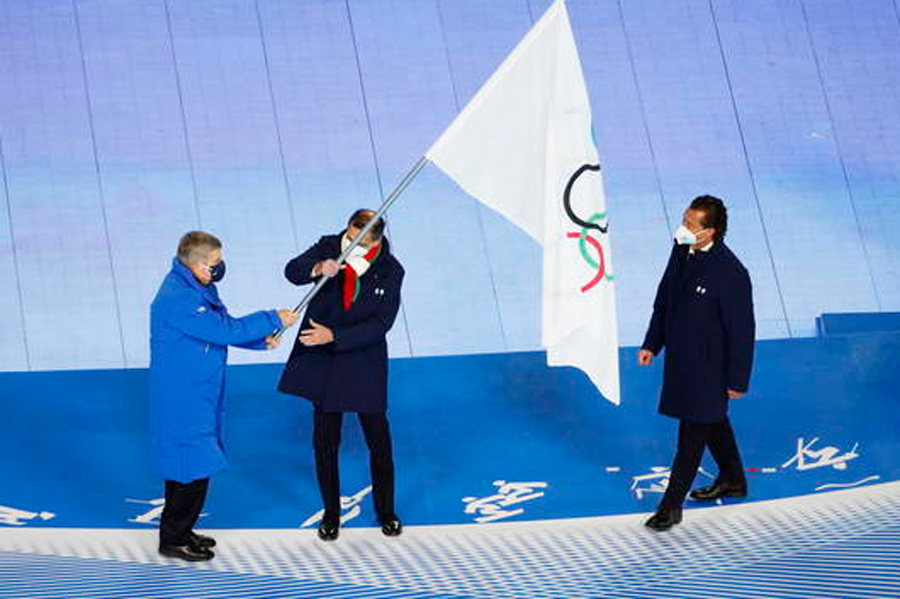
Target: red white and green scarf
x: 354, y: 268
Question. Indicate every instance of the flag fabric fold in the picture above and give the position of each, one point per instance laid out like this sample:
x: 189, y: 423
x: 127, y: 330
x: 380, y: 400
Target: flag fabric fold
x: 523, y: 146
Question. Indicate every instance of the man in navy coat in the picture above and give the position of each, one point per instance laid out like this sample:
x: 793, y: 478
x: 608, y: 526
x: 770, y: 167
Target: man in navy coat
x: 190, y: 331
x: 340, y: 359
x: 703, y: 317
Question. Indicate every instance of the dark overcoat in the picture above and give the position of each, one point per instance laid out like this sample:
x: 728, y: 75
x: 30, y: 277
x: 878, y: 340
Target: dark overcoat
x: 703, y: 317
x: 350, y: 373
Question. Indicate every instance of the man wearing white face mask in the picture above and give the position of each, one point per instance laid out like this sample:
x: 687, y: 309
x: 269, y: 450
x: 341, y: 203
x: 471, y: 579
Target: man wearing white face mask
x: 703, y: 317
x: 340, y: 359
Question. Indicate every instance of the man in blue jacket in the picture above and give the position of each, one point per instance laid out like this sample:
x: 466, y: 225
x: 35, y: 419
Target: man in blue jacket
x: 340, y: 359
x: 190, y: 331
x: 703, y: 317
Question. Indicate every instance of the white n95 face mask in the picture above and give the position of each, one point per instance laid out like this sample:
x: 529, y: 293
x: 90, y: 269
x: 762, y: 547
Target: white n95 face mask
x: 684, y: 236
x: 357, y: 251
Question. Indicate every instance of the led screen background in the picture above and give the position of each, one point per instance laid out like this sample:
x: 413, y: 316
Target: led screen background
x: 125, y: 123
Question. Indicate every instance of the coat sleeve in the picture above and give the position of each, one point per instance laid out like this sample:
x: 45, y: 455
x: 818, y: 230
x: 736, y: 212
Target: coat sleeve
x: 257, y: 344
x: 374, y: 329
x: 655, y: 339
x: 299, y: 270
x: 740, y: 331
x: 221, y: 328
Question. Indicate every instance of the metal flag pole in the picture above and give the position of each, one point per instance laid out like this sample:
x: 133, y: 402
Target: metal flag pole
x: 385, y: 206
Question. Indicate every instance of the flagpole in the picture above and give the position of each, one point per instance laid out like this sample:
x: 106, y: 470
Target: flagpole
x: 385, y: 206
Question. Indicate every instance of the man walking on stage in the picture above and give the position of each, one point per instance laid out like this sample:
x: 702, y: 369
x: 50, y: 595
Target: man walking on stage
x: 703, y: 317
x: 340, y: 359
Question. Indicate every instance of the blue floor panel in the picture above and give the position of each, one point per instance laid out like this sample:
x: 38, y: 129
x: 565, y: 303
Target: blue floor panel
x: 503, y: 432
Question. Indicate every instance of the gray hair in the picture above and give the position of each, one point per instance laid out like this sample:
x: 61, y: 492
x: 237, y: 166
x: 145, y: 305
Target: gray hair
x: 196, y: 246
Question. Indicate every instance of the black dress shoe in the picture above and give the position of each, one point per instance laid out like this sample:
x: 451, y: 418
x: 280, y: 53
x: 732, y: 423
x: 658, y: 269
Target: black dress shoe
x: 329, y: 529
x: 202, y: 540
x: 189, y: 552
x: 664, y: 519
x: 720, y: 489
x: 391, y: 526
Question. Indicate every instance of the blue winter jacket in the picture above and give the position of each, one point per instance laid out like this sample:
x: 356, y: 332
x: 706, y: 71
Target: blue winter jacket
x: 190, y: 331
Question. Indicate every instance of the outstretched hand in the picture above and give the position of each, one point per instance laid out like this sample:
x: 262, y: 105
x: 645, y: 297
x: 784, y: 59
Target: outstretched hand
x: 288, y: 318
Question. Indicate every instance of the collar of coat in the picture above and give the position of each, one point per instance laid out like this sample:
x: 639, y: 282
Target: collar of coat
x: 705, y: 248
x: 713, y: 249
x: 209, y: 292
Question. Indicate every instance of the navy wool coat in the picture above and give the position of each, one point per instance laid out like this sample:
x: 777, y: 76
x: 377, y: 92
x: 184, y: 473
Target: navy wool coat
x: 350, y: 373
x: 190, y: 331
x: 703, y: 317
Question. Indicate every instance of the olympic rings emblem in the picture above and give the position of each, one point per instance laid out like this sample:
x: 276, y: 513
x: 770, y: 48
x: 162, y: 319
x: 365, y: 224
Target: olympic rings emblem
x: 596, y: 222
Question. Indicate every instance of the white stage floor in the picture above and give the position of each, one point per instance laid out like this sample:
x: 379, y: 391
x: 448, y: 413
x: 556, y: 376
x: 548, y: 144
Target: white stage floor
x: 837, y: 544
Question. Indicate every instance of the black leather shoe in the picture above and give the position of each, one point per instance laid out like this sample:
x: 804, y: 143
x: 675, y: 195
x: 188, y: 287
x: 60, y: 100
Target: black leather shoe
x: 391, y: 526
x: 329, y: 529
x: 189, y: 552
x: 202, y: 540
x: 664, y: 519
x: 720, y: 489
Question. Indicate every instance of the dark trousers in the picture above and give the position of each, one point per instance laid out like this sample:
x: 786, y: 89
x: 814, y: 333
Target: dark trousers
x: 693, y: 437
x: 327, y: 440
x: 184, y: 502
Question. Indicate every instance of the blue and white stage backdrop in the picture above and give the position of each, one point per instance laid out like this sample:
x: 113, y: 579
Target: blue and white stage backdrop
x: 125, y: 123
